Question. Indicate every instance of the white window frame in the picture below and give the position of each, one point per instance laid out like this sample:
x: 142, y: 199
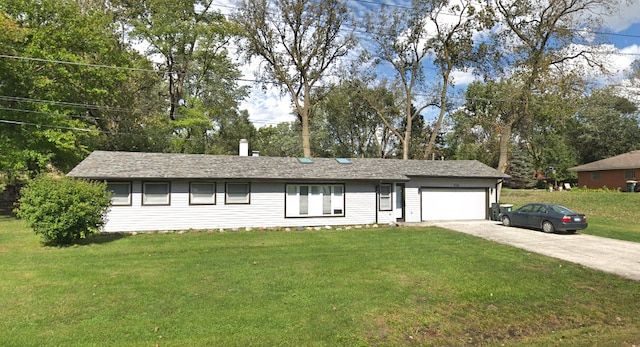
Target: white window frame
x: 232, y: 200
x: 155, y: 199
x: 200, y: 197
x: 314, y: 200
x: 385, y: 201
x: 116, y: 198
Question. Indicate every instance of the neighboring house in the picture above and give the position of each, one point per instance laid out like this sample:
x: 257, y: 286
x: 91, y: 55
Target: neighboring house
x: 613, y: 173
x: 162, y: 191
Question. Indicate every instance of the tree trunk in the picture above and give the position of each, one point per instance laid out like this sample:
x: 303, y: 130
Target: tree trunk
x: 407, y: 132
x: 443, y: 108
x: 306, y: 142
x: 505, y: 141
x: 503, y: 158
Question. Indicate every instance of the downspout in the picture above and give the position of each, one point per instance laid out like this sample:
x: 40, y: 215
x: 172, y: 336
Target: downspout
x: 377, y: 197
x: 498, y: 184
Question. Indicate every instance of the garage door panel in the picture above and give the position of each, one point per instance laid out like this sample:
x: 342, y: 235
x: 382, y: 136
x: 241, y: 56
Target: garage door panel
x: 454, y: 204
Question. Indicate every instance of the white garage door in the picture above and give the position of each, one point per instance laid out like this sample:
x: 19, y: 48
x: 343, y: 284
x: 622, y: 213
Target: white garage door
x: 454, y: 204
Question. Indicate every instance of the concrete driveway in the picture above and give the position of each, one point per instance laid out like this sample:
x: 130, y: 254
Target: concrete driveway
x: 608, y: 255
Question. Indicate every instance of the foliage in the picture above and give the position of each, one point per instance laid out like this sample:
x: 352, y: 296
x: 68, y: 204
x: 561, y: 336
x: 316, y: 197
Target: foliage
x: 349, y: 124
x: 478, y: 125
x: 522, y: 170
x: 192, y: 39
x: 407, y: 39
x: 298, y: 41
x: 282, y: 140
x: 606, y: 125
x: 56, y: 95
x: 532, y: 52
x: 200, y: 78
x: 63, y: 210
x: 229, y: 131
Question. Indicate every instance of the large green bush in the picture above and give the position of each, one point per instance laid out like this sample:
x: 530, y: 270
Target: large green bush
x: 63, y: 210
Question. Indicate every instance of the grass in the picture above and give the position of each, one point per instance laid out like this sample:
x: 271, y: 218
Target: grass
x: 366, y: 287
x: 610, y: 214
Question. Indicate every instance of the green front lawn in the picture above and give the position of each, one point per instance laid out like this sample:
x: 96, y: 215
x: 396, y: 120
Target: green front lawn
x: 385, y: 287
x: 610, y: 214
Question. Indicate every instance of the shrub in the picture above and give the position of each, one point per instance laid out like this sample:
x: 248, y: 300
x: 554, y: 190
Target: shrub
x: 63, y: 210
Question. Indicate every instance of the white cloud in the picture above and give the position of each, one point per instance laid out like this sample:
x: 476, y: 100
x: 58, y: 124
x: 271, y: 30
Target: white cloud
x: 463, y: 78
x: 620, y: 63
x: 628, y: 15
x: 268, y: 107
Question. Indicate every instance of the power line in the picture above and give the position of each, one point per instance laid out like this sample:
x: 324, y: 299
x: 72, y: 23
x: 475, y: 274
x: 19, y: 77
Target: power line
x: 77, y: 63
x: 48, y: 126
x: 63, y: 103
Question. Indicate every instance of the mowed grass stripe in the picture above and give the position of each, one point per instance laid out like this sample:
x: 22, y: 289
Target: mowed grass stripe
x: 385, y: 287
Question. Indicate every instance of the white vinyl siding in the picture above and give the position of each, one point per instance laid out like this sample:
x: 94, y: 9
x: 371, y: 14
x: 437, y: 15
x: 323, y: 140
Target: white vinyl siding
x: 385, y: 197
x: 268, y: 207
x: 120, y: 193
x: 156, y: 193
x: 314, y: 200
x: 202, y: 193
x: 238, y: 193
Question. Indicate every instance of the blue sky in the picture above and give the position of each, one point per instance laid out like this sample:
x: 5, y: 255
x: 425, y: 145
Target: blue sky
x: 269, y: 107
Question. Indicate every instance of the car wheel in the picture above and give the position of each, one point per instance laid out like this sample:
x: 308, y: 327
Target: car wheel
x: 506, y: 221
x: 547, y: 227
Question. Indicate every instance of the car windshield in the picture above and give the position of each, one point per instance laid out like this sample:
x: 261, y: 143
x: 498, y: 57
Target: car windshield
x: 561, y: 209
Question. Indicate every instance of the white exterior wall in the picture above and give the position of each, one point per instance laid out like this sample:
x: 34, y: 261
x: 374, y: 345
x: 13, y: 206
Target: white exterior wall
x: 266, y: 209
x: 413, y: 209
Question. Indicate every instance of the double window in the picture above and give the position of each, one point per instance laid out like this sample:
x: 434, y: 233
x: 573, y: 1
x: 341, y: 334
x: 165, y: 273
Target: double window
x: 315, y: 200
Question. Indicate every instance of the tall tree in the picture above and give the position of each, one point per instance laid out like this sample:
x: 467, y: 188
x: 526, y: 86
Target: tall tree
x: 55, y: 90
x: 190, y: 39
x: 535, y: 39
x: 606, y: 125
x: 477, y: 126
x: 408, y: 38
x: 351, y: 126
x: 298, y: 42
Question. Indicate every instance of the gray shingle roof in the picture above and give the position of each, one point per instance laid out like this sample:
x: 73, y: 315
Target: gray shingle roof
x: 129, y: 165
x: 629, y: 160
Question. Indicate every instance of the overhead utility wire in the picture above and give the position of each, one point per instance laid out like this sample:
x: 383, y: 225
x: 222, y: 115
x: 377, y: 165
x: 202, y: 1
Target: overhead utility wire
x: 63, y: 103
x: 77, y: 63
x: 50, y: 113
x: 48, y: 126
x: 370, y: 2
